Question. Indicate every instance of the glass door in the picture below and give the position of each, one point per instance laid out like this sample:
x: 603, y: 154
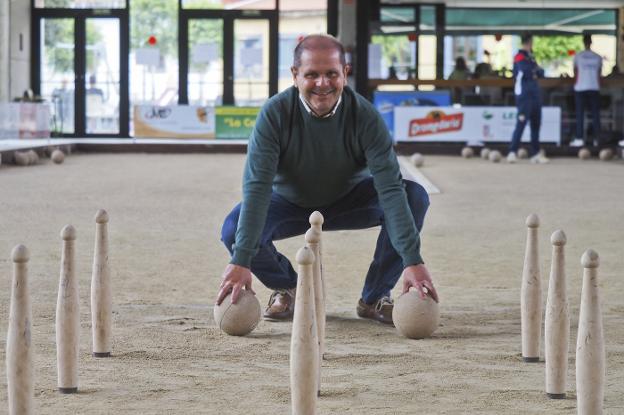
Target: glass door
x: 101, y: 81
x: 205, y: 66
x: 209, y: 74
x: 80, y: 67
x: 251, y: 61
x: 57, y: 73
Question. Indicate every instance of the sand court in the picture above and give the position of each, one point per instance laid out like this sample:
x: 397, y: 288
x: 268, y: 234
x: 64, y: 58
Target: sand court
x: 166, y: 261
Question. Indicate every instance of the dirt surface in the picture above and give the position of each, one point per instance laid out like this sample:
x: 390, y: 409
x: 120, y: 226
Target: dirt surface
x: 169, y: 358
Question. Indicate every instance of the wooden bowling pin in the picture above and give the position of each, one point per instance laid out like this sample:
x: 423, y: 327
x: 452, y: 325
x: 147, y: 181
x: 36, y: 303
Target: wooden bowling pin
x: 101, y: 298
x: 590, y: 348
x: 316, y: 223
x: 531, y: 295
x: 312, y: 238
x: 18, y: 344
x: 67, y: 316
x: 304, y: 342
x: 557, y: 331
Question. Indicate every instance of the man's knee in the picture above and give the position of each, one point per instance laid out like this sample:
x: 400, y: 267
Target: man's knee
x: 417, y: 196
x: 228, y: 230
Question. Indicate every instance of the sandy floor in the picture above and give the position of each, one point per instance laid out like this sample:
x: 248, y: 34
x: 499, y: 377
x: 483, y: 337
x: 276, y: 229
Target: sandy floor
x: 166, y: 212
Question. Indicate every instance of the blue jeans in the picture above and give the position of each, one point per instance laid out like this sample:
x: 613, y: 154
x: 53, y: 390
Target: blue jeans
x: 582, y: 98
x: 529, y: 109
x: 359, y: 209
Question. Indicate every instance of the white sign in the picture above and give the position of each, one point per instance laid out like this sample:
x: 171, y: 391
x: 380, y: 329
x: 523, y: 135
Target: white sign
x: 204, y: 53
x: 148, y: 56
x: 174, y: 121
x: 470, y: 124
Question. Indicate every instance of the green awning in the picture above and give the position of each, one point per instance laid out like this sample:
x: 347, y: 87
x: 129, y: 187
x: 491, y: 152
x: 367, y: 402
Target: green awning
x: 490, y: 20
x: 534, y: 20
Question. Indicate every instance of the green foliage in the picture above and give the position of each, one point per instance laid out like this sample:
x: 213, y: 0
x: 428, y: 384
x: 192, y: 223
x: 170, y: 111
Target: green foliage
x: 394, y: 49
x: 549, y: 49
x: 205, y: 31
x: 57, y: 3
x: 157, y: 18
x: 94, y: 39
x: 201, y: 4
x: 59, y: 44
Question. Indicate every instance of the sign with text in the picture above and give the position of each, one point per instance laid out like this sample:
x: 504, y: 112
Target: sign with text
x: 470, y: 124
x: 235, y: 122
x: 174, y: 121
x: 387, y: 101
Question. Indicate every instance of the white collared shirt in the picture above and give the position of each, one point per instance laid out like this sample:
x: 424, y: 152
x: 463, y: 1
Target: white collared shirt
x: 329, y: 114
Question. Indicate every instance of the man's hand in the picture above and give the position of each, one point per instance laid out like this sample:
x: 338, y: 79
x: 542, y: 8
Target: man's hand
x: 235, y: 278
x: 418, y: 277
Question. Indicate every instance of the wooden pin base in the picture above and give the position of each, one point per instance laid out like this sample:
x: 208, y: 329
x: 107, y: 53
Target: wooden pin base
x: 68, y: 390
x: 556, y: 395
x: 530, y: 359
x: 104, y: 354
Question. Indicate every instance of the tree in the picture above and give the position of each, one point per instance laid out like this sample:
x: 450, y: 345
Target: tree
x: 395, y: 49
x: 554, y: 51
x: 59, y: 44
x: 158, y: 18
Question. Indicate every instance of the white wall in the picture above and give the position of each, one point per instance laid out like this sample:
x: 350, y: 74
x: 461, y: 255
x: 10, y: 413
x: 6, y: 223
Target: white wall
x: 4, y: 50
x: 19, y: 26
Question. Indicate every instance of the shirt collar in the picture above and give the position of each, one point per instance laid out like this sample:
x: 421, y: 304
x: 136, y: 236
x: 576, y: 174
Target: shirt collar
x: 309, y: 110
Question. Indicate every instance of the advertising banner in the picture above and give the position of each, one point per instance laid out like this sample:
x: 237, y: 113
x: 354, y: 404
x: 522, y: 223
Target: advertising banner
x: 386, y: 101
x: 174, y: 121
x: 470, y: 124
x: 235, y: 122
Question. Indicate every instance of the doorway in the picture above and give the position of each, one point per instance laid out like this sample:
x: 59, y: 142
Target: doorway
x: 80, y: 66
x: 227, y: 57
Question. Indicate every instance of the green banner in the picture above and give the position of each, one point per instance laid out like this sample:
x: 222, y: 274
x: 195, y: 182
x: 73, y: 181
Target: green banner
x: 235, y: 122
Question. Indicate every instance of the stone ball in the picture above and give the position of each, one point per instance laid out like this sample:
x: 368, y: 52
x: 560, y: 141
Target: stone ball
x: 33, y: 157
x: 485, y: 152
x: 495, y: 156
x: 58, y: 156
x: 523, y: 153
x: 417, y: 159
x: 21, y: 158
x: 238, y: 319
x: 584, y: 154
x: 605, y: 154
x: 467, y: 152
x: 414, y: 317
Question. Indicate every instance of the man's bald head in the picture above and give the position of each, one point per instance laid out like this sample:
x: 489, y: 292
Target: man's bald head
x: 319, y: 42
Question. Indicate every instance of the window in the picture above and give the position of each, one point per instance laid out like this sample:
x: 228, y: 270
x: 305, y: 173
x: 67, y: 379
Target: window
x: 81, y: 4
x: 229, y: 4
x: 297, y: 19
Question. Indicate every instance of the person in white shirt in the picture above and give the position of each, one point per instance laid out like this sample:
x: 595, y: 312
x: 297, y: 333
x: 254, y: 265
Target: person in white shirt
x: 587, y: 69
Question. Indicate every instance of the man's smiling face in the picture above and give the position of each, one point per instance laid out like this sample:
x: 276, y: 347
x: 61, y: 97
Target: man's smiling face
x: 320, y: 78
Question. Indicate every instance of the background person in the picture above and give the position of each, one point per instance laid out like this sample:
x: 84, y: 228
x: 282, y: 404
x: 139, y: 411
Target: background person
x: 587, y: 69
x: 528, y: 101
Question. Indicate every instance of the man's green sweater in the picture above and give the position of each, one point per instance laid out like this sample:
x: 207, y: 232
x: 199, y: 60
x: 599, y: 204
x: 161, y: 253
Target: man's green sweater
x: 312, y: 162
